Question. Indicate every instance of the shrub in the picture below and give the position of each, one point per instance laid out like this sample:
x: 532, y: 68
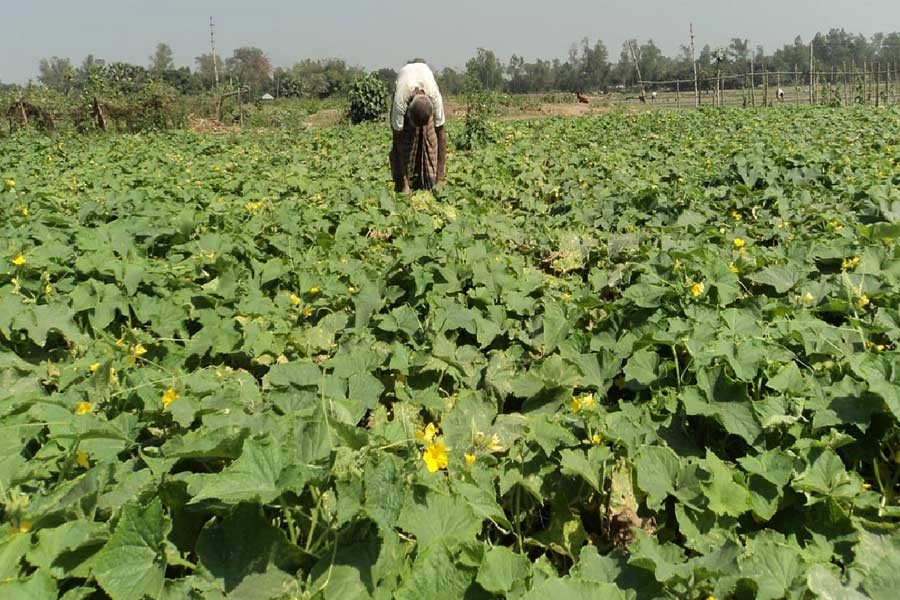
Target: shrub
x: 368, y: 99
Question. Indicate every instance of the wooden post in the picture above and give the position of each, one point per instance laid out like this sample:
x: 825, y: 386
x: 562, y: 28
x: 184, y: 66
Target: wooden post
x: 24, y: 114
x: 797, y: 82
x: 877, y: 85
x: 811, y: 82
x: 677, y: 94
x: 694, y: 62
x: 778, y: 83
x: 752, y: 85
x: 765, y: 85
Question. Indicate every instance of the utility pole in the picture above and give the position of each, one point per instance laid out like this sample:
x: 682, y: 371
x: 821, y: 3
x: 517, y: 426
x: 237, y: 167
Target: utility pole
x: 694, y: 62
x: 212, y: 47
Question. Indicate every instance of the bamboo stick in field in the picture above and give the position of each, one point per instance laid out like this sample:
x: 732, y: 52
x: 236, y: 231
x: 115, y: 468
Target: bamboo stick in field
x: 765, y: 85
x: 752, y: 85
x: 797, y: 82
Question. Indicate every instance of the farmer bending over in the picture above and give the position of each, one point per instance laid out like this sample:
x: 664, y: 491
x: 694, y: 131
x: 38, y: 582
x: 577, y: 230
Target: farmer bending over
x: 419, y: 151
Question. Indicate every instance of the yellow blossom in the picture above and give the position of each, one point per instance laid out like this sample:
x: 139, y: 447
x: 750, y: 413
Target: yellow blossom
x: 736, y: 215
x: 733, y: 268
x: 849, y: 263
x: 83, y: 408
x: 596, y: 439
x: 494, y: 444
x: 169, y: 397
x: 81, y: 459
x: 22, y: 527
x: 866, y: 485
x: 426, y: 435
x: 314, y: 290
x: 93, y: 368
x: 435, y: 456
x: 575, y: 404
x: 253, y: 206
x: 470, y: 459
x: 137, y: 351
x: 862, y: 301
x: 295, y: 299
x: 697, y: 289
x: 10, y: 183
x: 23, y: 210
x: 808, y: 298
x: 48, y: 289
x: 677, y: 264
x: 19, y: 260
x: 739, y: 243
x: 307, y: 311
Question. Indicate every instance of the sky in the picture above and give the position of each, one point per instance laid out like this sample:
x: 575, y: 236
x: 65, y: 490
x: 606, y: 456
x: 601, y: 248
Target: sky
x: 377, y: 34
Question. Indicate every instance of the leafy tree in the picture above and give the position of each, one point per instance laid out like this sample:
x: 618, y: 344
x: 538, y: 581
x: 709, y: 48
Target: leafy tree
x: 250, y: 66
x: 56, y: 73
x: 161, y: 60
x: 451, y: 81
x: 206, y: 69
x: 486, y: 69
x: 388, y: 77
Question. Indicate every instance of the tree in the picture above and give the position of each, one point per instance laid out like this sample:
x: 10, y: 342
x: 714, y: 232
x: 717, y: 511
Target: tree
x: 206, y: 69
x: 250, y: 66
x: 388, y: 77
x: 486, y: 68
x: 56, y: 73
x: 162, y: 60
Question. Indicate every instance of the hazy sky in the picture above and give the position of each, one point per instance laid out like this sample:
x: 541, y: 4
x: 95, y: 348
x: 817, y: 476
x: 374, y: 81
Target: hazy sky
x: 387, y: 33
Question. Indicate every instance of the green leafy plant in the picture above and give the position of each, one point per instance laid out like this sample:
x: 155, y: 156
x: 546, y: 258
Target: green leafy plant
x: 367, y: 99
x: 623, y: 356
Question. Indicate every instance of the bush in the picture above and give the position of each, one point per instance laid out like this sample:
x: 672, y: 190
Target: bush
x: 481, y: 108
x: 368, y: 99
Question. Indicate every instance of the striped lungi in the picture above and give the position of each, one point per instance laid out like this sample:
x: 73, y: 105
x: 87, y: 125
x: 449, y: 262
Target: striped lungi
x: 418, y: 153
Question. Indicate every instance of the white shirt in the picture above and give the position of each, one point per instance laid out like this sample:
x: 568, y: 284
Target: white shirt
x: 411, y: 77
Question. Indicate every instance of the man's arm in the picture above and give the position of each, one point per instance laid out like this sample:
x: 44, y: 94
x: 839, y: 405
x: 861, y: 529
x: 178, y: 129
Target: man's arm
x: 442, y: 153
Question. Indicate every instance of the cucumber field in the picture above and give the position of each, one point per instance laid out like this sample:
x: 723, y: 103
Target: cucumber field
x: 624, y: 356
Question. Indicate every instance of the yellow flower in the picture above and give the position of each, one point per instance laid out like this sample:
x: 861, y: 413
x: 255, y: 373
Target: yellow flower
x: 697, y: 289
x: 48, y: 289
x: 435, y: 456
x: 849, y: 263
x: 253, y: 206
x: 307, y: 311
x: 736, y: 215
x: 23, y: 527
x: 19, y: 260
x: 862, y: 301
x: 575, y: 404
x: 23, y: 211
x: 83, y: 408
x: 733, y: 268
x: 93, y: 368
x: 314, y: 290
x: 137, y: 351
x: 677, y: 264
x: 295, y: 299
x: 427, y: 434
x: 494, y: 444
x: 739, y: 243
x: 10, y: 183
x: 596, y: 439
x: 169, y: 397
x: 81, y: 459
x: 470, y: 459
x: 808, y: 298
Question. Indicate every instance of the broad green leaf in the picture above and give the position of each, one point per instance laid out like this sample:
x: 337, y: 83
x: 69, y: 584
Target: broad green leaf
x: 502, y: 569
x: 132, y: 564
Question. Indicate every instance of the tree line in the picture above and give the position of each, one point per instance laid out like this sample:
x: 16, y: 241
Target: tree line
x: 588, y: 67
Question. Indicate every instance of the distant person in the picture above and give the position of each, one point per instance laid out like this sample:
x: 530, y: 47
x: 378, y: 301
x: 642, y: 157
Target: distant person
x: 780, y: 95
x: 653, y: 97
x: 419, y: 151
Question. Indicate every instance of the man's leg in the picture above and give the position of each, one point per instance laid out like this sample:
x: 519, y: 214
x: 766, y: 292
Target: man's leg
x: 398, y: 164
